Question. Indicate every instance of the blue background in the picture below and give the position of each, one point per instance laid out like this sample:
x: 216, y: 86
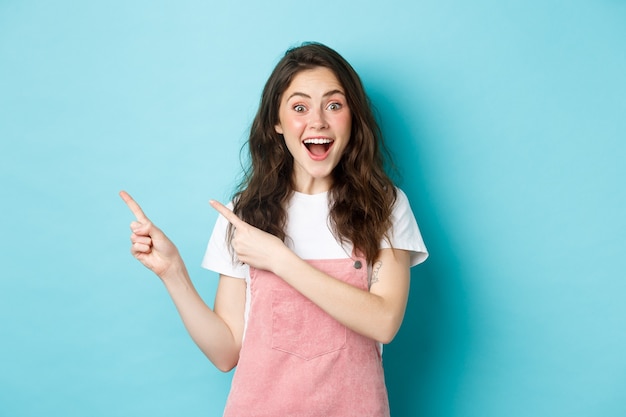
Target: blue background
x: 507, y: 119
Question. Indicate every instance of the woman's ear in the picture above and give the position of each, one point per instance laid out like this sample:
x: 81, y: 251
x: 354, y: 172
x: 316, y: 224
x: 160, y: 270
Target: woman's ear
x: 278, y: 128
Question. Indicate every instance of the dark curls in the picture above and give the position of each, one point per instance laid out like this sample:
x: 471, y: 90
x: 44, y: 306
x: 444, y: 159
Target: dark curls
x: 361, y: 197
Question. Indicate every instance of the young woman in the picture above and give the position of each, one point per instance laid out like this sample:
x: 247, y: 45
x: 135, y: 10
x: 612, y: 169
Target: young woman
x: 313, y: 253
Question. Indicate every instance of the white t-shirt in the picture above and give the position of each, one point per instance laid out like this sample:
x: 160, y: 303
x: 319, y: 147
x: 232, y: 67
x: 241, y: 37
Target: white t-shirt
x: 309, y: 235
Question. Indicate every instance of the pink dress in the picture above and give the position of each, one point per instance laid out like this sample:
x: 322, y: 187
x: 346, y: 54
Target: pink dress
x: 296, y: 360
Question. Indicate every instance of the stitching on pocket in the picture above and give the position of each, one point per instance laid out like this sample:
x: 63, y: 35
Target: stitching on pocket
x: 301, y: 328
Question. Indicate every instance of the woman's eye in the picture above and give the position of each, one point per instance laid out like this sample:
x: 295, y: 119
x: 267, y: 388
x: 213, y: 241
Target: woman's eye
x: 334, y: 106
x: 299, y: 108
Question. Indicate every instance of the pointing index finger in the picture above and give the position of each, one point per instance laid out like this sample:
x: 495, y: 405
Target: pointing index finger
x: 133, y: 206
x: 227, y: 213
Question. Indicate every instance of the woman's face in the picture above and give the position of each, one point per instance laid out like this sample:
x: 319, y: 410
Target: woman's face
x: 316, y: 122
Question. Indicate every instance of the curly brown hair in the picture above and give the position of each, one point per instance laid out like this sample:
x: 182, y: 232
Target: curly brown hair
x: 362, y: 195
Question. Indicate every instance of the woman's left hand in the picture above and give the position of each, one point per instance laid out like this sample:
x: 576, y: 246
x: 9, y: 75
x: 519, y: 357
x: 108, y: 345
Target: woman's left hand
x: 252, y: 246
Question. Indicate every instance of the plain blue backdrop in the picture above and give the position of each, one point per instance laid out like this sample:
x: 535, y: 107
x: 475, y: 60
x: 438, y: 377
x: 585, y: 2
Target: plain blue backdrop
x: 507, y: 120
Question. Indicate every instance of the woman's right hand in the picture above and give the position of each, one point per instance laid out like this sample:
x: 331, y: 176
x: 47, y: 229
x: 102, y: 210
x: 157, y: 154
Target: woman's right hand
x: 149, y: 244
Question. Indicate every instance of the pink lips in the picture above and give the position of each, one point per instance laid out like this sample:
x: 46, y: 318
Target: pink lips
x: 315, y: 145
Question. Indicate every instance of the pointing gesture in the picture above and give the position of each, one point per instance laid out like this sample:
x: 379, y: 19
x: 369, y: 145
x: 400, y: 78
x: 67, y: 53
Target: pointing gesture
x: 252, y: 246
x: 149, y: 244
x: 133, y: 206
x: 228, y: 214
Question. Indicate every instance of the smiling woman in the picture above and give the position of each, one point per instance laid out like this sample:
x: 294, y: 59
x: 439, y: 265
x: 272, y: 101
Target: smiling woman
x: 315, y: 121
x: 298, y: 310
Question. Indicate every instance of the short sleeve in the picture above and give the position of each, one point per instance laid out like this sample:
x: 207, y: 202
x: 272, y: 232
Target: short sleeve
x: 405, y: 233
x: 217, y: 257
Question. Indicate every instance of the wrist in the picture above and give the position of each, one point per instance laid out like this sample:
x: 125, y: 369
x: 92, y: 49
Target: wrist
x: 285, y: 262
x: 176, y: 272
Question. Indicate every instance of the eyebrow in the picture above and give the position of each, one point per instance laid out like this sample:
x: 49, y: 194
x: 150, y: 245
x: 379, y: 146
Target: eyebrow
x: 327, y: 94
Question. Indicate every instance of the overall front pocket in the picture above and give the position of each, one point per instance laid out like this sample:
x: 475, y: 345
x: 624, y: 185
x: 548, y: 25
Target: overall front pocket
x: 301, y: 328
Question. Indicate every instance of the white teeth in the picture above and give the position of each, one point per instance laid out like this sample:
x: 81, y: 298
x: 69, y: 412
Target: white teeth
x: 317, y: 141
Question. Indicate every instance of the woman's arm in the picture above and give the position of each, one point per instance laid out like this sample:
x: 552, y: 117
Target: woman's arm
x: 218, y: 333
x: 376, y: 313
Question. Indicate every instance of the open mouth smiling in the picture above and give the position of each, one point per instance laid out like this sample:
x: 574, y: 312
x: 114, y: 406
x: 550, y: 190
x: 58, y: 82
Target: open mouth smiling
x: 318, y: 148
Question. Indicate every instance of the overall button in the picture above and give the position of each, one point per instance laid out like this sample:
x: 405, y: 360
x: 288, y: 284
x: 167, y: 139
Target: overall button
x: 357, y: 265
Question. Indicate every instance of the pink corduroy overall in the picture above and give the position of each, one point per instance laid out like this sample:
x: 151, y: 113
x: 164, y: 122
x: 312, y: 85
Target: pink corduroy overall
x: 296, y: 360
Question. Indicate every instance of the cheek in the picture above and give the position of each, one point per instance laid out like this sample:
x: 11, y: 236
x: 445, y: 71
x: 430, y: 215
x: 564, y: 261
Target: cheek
x: 345, y: 121
x: 346, y: 131
x: 295, y: 123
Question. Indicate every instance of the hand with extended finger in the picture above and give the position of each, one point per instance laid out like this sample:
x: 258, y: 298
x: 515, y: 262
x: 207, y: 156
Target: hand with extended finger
x: 252, y: 246
x: 149, y: 244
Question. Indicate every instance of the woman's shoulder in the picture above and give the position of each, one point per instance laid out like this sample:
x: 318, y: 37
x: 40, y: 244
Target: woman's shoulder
x: 402, y: 201
x: 405, y: 233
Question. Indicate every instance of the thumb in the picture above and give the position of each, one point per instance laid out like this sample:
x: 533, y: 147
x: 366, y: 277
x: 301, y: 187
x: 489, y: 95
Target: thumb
x: 146, y: 228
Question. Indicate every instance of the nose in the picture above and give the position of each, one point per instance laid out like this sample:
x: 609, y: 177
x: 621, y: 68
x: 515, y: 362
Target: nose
x: 318, y: 119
